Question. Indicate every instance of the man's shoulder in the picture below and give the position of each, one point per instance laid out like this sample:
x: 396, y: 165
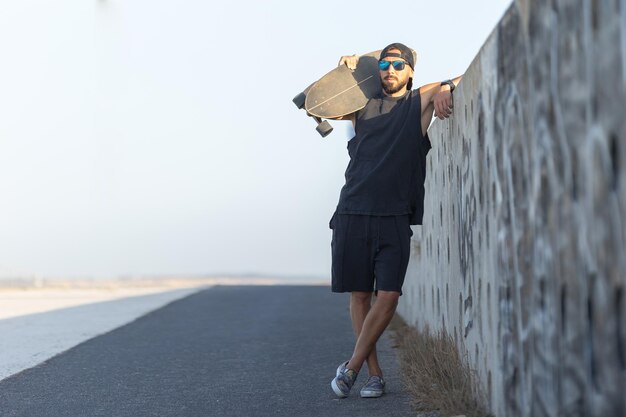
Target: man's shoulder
x: 415, y: 93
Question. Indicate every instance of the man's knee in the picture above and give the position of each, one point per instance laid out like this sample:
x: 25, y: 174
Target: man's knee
x: 388, y: 298
x: 362, y: 298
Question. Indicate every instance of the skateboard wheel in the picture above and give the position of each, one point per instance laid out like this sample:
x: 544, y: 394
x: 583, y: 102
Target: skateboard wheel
x: 299, y: 100
x: 324, y: 128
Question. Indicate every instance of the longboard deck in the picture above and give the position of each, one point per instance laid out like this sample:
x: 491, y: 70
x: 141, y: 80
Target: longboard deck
x: 342, y: 91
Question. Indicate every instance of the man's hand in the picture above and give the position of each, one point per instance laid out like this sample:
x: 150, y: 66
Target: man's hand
x: 443, y: 102
x: 350, y: 61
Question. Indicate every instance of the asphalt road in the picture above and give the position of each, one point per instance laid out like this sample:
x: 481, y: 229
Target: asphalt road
x: 226, y: 351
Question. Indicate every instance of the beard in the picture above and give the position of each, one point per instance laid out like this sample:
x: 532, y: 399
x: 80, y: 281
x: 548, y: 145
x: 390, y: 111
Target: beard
x: 392, y: 90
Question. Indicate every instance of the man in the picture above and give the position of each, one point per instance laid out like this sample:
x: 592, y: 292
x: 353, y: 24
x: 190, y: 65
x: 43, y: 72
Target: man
x: 383, y: 195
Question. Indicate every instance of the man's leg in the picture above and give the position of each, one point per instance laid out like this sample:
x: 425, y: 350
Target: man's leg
x: 360, y: 306
x: 375, y: 323
x: 392, y: 258
x: 391, y: 245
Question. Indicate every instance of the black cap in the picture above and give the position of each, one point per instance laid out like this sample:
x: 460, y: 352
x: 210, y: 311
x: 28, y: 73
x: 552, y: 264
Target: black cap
x: 405, y: 53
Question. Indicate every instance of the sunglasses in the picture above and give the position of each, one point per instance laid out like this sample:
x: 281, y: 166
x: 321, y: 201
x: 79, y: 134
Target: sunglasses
x: 397, y: 65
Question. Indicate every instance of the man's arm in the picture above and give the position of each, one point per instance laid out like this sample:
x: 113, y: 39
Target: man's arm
x: 438, y: 98
x: 427, y: 116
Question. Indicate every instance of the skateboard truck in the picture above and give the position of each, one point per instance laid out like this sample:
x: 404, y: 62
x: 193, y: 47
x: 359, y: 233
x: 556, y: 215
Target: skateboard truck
x: 323, y: 127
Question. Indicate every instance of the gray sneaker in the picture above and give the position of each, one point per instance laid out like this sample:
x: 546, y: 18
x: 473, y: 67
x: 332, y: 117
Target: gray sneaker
x: 341, y: 367
x: 373, y: 388
x: 343, y: 382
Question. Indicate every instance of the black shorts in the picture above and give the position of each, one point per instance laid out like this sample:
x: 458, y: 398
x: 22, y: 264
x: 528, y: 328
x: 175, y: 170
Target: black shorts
x: 369, y: 252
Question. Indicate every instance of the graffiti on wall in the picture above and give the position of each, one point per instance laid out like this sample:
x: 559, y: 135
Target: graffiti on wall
x: 522, y: 255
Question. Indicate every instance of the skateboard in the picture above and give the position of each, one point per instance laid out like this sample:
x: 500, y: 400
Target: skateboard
x: 341, y: 92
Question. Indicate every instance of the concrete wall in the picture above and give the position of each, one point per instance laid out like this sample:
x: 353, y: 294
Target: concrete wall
x: 522, y: 255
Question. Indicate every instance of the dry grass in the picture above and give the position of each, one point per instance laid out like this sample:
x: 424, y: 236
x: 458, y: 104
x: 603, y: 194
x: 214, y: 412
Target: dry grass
x: 434, y: 374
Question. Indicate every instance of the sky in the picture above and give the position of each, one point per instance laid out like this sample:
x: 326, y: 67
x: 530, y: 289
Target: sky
x: 158, y: 137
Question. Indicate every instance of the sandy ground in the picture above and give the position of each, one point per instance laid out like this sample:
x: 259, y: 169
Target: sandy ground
x: 16, y: 303
x: 38, y: 324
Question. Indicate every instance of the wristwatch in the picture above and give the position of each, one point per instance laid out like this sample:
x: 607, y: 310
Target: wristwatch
x: 450, y: 83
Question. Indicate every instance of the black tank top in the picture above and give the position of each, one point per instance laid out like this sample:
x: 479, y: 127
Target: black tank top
x: 387, y: 166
